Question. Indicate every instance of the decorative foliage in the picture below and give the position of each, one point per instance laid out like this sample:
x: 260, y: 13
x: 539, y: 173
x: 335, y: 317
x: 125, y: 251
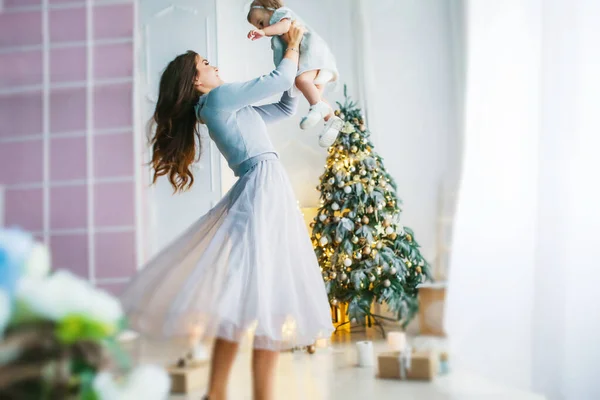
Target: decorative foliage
x: 365, y: 253
x: 58, y: 333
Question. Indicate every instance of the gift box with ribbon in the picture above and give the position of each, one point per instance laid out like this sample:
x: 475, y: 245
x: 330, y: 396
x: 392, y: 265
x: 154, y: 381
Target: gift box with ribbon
x: 408, y: 364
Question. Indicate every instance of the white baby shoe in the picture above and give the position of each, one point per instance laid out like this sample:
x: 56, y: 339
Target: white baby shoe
x: 315, y: 114
x: 330, y: 132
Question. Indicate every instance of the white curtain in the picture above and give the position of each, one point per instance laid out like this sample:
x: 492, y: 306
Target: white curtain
x: 523, y: 297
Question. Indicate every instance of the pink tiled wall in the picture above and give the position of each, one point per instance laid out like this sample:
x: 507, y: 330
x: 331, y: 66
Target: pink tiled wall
x: 78, y: 123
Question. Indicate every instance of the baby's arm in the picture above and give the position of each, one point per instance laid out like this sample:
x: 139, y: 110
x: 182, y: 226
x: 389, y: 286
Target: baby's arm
x: 278, y: 28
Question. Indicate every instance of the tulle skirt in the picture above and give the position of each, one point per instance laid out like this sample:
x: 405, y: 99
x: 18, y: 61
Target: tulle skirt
x: 247, y: 265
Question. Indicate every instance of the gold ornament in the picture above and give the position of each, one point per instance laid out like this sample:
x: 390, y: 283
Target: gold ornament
x: 390, y: 204
x: 365, y: 220
x: 354, y: 149
x: 312, y: 224
x: 370, y: 210
x: 409, y: 264
x: 419, y: 270
x: 409, y: 238
x: 355, y: 136
x: 386, y: 223
x: 362, y: 128
x: 355, y: 121
x: 337, y: 112
x: 393, y: 236
x: 334, y: 301
x: 367, y: 251
x: 333, y: 275
x: 311, y: 349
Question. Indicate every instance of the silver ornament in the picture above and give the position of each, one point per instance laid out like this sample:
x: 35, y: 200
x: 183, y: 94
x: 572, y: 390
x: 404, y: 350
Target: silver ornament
x: 347, y: 262
x: 328, y: 196
x: 331, y: 181
x: 343, y: 276
x: 336, y: 219
x: 340, y: 148
x: 372, y: 278
x: 352, y: 169
x: 379, y: 245
x: 393, y: 271
x: 363, y: 172
x: 389, y: 230
x: 347, y: 189
x: 334, y: 301
x: 335, y: 206
x: 341, y: 184
x: 322, y: 217
x: 354, y: 239
x: 387, y: 283
x: 323, y: 241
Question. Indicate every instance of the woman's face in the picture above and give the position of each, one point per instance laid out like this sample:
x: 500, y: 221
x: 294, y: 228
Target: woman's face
x: 207, y: 77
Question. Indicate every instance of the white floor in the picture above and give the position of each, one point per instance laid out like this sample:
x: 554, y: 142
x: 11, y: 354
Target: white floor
x: 332, y: 374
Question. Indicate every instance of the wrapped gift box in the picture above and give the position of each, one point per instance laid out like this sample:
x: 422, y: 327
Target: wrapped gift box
x: 189, y: 378
x: 420, y: 365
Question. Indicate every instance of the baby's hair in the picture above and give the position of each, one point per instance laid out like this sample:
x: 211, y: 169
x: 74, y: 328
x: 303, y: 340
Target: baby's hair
x: 266, y: 4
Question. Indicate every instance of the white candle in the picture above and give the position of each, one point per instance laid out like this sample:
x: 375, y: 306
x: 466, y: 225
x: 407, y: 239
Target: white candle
x: 365, y: 354
x: 396, y: 341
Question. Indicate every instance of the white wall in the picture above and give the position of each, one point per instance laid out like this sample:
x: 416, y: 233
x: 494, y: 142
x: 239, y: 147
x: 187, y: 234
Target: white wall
x: 241, y: 59
x: 413, y: 108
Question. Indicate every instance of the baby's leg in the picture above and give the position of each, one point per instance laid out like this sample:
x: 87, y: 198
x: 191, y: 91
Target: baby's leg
x: 305, y: 83
x: 321, y: 88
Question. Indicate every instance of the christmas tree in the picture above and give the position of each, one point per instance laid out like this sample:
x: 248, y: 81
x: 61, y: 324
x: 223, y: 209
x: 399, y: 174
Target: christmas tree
x: 365, y: 253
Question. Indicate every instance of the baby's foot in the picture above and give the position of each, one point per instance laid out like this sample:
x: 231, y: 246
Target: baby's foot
x: 316, y: 113
x: 330, y: 132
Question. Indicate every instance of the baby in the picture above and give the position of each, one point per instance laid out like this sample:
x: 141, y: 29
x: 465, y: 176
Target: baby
x: 316, y: 67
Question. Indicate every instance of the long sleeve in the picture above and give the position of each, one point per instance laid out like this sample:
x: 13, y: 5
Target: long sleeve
x: 274, y: 112
x: 233, y: 96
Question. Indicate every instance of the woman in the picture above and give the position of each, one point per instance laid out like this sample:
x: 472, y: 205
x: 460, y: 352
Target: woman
x: 248, y: 264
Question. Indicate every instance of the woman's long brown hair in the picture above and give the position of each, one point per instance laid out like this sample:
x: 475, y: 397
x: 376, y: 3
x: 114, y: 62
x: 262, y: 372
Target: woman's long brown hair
x: 176, y: 135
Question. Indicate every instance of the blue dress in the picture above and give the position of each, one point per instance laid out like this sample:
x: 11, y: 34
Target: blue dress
x: 314, y: 52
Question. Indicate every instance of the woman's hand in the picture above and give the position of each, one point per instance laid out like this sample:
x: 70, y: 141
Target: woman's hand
x: 295, y: 34
x: 256, y: 34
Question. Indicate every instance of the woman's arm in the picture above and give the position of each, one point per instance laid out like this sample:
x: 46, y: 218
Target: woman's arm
x: 286, y: 107
x: 237, y: 95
